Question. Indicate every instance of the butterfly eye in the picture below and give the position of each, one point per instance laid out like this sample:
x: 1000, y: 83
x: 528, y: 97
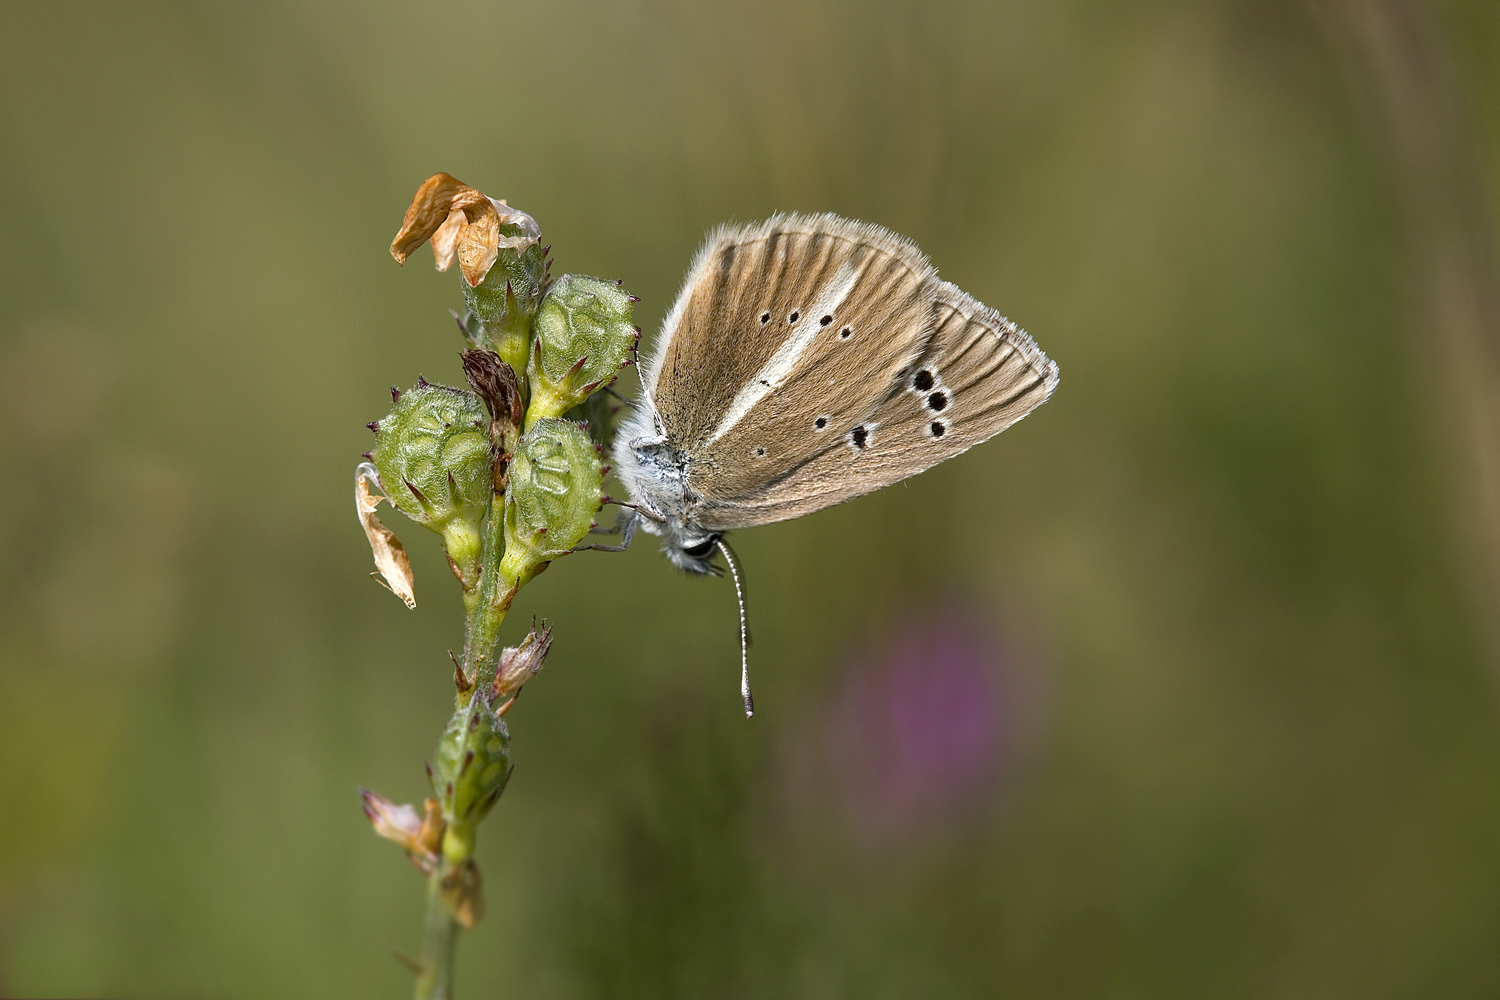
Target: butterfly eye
x: 795, y: 316
x: 825, y: 321
x: 938, y: 429
x: 702, y: 548
x: 937, y: 402
x: 820, y: 423
x: 765, y: 318
x: 923, y: 380
x: 845, y: 333
x: 859, y: 437
x: 760, y: 452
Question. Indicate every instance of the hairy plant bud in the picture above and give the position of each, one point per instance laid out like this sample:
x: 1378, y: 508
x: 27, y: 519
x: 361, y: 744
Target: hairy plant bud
x: 504, y: 303
x: 432, y: 452
x: 555, y: 481
x: 469, y: 771
x: 584, y: 335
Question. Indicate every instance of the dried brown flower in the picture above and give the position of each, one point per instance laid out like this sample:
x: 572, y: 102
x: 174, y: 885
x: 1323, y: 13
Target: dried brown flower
x: 393, y: 568
x: 463, y: 890
x: 461, y: 222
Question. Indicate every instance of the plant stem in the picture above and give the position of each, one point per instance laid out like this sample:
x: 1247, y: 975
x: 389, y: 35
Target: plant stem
x: 435, y: 981
x: 487, y: 612
x: 484, y: 615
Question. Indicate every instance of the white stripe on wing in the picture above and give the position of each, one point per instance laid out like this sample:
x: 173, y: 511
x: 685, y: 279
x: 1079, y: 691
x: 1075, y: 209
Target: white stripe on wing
x: 776, y: 370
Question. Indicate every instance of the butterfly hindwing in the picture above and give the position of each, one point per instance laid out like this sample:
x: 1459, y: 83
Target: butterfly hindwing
x: 978, y: 374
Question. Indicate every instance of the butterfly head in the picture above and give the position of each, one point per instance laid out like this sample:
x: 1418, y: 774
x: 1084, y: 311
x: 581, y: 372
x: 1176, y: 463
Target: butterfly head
x: 692, y: 553
x: 653, y: 473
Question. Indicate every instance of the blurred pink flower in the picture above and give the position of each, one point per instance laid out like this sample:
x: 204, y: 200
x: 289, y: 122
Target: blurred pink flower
x: 918, y: 729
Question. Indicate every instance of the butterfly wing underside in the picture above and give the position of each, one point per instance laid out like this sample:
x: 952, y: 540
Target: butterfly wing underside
x: 979, y: 373
x: 799, y: 316
x: 810, y: 360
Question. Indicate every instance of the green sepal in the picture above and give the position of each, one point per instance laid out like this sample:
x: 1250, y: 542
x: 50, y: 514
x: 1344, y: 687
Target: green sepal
x: 503, y: 304
x: 433, y: 455
x: 584, y: 333
x: 555, y: 491
x: 472, y: 328
x: 469, y: 771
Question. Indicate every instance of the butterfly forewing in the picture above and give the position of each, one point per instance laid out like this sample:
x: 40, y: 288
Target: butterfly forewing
x: 784, y: 332
x: 978, y: 374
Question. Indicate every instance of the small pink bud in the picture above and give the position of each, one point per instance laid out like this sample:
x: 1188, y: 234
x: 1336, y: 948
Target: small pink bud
x: 417, y: 835
x: 519, y: 664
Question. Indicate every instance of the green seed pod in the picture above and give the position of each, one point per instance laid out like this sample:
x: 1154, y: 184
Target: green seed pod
x: 555, y: 481
x: 501, y: 306
x: 583, y: 336
x: 433, y: 455
x: 469, y: 771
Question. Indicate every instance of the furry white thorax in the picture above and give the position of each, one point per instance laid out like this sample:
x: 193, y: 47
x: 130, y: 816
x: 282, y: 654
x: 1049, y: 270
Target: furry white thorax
x: 654, y: 475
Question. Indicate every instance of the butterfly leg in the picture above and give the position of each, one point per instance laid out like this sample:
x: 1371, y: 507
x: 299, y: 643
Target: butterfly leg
x: 613, y: 529
x: 626, y: 525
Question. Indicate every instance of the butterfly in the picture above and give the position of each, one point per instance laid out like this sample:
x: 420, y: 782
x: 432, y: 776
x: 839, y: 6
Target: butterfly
x: 808, y: 360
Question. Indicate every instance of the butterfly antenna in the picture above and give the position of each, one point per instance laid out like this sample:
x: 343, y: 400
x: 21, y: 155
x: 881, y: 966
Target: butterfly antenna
x: 739, y: 592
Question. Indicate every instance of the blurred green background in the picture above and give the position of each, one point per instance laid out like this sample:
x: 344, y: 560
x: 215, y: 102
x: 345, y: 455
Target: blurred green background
x: 1184, y: 687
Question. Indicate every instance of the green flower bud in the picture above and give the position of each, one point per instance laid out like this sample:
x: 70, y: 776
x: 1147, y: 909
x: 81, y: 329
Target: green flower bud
x: 501, y: 306
x: 583, y: 336
x: 555, y: 482
x: 432, y: 452
x: 469, y: 772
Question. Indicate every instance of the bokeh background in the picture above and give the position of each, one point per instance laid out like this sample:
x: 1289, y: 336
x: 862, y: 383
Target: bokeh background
x: 1183, y: 687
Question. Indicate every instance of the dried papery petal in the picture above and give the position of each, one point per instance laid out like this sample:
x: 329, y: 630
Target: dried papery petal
x: 478, y: 243
x: 393, y: 567
x: 522, y: 220
x: 445, y: 240
x: 463, y: 890
x: 474, y: 239
x: 430, y: 208
x: 430, y: 836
